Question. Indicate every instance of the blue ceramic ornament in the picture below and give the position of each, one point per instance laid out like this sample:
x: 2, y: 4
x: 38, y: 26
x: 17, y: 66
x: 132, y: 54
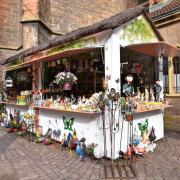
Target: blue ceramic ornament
x: 80, y: 150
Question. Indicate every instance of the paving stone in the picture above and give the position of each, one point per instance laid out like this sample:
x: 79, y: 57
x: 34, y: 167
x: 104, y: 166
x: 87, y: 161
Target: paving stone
x: 22, y: 160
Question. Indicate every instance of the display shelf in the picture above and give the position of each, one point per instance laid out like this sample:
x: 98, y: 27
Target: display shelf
x: 66, y: 111
x: 91, y: 79
x: 149, y: 110
x: 14, y: 104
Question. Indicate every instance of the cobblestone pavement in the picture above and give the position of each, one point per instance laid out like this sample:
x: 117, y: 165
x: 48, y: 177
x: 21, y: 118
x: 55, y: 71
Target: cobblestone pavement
x: 22, y: 160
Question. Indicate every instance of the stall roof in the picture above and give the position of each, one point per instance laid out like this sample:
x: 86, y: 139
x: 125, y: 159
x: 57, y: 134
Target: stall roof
x: 155, y: 49
x: 110, y: 23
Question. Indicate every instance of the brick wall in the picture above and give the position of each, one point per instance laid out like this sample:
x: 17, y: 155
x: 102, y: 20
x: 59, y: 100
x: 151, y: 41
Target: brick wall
x: 1, y: 78
x: 59, y: 15
x: 10, y: 36
x: 72, y: 14
x: 30, y: 9
x: 45, y: 12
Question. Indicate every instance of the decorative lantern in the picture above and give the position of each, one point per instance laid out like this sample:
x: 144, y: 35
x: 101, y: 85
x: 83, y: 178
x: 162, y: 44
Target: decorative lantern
x: 9, y: 82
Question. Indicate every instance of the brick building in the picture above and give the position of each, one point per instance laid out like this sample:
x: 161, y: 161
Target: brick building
x: 166, y: 16
x: 25, y: 23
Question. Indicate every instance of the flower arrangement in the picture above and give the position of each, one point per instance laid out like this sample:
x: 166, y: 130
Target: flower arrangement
x: 65, y: 77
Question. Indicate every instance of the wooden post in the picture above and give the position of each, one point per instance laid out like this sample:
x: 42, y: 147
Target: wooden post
x: 36, y: 87
x: 171, y: 75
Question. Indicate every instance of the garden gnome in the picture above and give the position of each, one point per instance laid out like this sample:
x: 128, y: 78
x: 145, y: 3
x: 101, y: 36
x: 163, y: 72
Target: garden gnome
x: 128, y: 89
x: 157, y: 90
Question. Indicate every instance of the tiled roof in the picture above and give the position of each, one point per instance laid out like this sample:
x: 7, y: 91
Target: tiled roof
x: 173, y: 5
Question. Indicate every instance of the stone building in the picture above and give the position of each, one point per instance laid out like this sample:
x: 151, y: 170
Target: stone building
x: 27, y: 23
x: 166, y: 16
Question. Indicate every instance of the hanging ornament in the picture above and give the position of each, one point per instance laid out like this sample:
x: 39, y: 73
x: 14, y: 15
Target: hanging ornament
x: 53, y: 64
x: 59, y: 61
x: 29, y: 70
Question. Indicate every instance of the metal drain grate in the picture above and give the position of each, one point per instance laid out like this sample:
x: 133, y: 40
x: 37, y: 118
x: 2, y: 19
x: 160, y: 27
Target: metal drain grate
x: 119, y: 169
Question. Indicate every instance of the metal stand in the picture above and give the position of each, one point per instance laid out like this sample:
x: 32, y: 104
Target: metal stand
x: 125, y: 166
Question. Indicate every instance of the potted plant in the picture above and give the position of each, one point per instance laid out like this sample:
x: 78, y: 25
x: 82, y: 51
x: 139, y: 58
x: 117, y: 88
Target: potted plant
x: 90, y: 150
x: 67, y: 79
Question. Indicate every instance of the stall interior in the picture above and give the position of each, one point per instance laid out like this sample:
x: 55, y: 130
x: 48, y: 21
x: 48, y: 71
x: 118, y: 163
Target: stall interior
x: 19, y: 83
x: 143, y: 68
x: 88, y: 67
x: 68, y: 82
x: 139, y: 79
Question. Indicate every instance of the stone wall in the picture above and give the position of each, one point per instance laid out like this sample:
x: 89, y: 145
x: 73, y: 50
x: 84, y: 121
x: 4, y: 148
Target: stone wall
x: 30, y: 9
x: 11, y: 29
x: 1, y: 77
x: 171, y: 33
x: 18, y: 32
x: 72, y: 14
x: 58, y: 15
x: 172, y: 115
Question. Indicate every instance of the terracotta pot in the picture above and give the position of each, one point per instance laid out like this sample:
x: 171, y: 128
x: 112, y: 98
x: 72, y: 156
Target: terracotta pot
x: 66, y: 86
x: 129, y: 117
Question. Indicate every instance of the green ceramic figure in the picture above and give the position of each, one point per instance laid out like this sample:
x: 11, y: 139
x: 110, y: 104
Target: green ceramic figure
x: 68, y: 123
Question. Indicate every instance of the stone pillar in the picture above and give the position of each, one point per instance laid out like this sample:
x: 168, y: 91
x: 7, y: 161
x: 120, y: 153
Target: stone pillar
x: 30, y: 34
x: 171, y: 75
x: 30, y: 19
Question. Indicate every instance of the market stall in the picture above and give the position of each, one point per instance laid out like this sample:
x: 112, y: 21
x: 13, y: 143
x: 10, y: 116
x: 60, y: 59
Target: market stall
x: 80, y: 87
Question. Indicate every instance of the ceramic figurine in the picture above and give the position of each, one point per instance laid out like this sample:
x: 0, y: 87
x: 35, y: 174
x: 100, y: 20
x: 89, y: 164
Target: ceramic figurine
x: 136, y: 141
x: 47, y: 137
x: 150, y: 147
x: 146, y: 97
x: 157, y: 90
x: 145, y: 138
x: 64, y: 141
x: 152, y: 135
x: 128, y: 89
x: 138, y: 97
x: 152, y: 96
x: 74, y: 139
x: 80, y: 150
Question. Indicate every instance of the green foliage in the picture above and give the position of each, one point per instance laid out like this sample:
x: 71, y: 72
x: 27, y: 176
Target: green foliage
x: 74, y: 44
x: 90, y: 148
x: 140, y: 29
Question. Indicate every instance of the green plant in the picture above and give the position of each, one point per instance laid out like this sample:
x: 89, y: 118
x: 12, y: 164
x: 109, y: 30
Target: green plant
x: 90, y: 149
x: 139, y: 29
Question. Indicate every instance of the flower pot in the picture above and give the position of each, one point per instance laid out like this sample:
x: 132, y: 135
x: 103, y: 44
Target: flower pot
x: 66, y: 86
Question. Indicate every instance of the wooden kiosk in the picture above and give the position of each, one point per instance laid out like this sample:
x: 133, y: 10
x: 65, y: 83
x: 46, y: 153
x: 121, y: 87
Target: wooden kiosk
x: 106, y: 38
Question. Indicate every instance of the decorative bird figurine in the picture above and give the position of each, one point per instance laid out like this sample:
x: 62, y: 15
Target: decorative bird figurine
x: 73, y: 139
x: 47, y: 137
x: 80, y: 150
x: 64, y: 142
